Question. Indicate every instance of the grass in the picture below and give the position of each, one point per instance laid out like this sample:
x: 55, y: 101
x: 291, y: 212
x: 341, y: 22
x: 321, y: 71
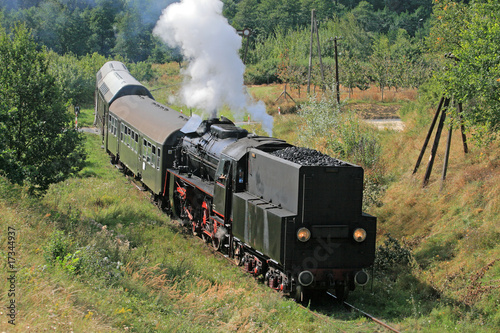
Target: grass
x: 451, y: 228
x: 94, y: 255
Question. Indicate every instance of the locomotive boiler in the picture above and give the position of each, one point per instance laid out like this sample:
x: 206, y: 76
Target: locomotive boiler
x: 288, y: 215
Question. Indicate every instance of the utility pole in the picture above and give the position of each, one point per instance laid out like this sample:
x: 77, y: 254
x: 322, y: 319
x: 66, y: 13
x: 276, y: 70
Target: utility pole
x: 337, y: 83
x: 310, y: 54
x: 314, y: 28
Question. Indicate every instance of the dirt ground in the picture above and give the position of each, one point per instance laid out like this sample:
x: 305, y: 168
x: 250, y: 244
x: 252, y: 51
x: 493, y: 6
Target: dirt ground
x: 375, y: 111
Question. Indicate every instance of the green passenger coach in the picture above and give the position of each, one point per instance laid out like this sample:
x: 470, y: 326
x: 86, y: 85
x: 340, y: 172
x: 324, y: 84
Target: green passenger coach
x: 142, y: 135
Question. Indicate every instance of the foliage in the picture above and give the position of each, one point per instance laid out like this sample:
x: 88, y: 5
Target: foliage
x: 262, y: 73
x: 83, y: 27
x: 76, y: 76
x: 58, y: 246
x: 124, y: 28
x: 37, y: 146
x: 142, y: 71
x: 472, y: 76
x: 391, y: 256
x: 342, y: 134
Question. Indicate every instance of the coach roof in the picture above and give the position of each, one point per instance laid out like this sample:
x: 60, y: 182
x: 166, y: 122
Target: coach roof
x: 149, y: 117
x: 114, y: 80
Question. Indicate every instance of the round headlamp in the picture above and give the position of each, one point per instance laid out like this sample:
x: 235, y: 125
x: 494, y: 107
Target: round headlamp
x: 359, y: 235
x: 303, y: 234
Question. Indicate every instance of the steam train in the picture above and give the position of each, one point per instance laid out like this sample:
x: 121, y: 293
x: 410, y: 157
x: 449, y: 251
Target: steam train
x: 297, y: 225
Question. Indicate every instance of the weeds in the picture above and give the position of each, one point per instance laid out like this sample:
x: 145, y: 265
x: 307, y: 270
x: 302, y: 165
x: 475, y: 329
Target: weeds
x: 392, y: 258
x: 58, y: 247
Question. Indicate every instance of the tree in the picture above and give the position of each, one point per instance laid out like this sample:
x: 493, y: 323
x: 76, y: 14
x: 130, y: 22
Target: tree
x: 381, y: 62
x: 133, y: 41
x: 101, y: 19
x: 37, y: 146
x: 353, y: 73
x: 472, y: 76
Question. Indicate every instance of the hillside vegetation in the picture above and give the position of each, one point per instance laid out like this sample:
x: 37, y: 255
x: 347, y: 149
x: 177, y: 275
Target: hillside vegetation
x: 94, y: 255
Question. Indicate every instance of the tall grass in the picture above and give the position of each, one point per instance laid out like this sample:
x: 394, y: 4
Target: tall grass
x: 95, y: 255
x: 450, y: 226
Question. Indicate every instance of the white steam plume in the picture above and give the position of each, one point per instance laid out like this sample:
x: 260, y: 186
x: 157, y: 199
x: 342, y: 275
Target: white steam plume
x: 214, y: 76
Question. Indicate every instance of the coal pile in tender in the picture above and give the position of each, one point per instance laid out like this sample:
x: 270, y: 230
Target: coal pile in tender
x: 306, y: 156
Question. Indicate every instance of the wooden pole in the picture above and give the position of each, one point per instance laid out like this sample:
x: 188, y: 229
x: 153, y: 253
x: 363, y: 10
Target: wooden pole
x: 447, y: 154
x: 464, y: 138
x: 319, y: 55
x: 310, y: 53
x: 424, y: 147
x: 337, y: 84
x: 436, y: 143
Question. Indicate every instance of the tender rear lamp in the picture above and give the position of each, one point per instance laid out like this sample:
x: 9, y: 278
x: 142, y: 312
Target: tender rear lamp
x: 359, y: 235
x: 303, y: 234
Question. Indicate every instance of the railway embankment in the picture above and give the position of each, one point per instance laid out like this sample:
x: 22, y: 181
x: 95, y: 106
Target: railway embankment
x: 95, y: 255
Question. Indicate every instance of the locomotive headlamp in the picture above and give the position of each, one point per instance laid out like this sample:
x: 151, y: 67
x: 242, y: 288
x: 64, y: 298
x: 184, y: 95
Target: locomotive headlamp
x: 303, y: 234
x: 359, y: 235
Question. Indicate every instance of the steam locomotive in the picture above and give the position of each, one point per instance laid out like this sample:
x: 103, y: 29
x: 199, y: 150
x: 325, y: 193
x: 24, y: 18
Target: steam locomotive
x: 294, y: 223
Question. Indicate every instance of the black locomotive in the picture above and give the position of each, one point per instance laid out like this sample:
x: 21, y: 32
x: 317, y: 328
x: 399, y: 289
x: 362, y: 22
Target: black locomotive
x: 296, y: 221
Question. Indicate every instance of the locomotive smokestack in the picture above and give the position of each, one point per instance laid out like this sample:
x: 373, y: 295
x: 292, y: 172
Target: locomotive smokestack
x: 214, y: 76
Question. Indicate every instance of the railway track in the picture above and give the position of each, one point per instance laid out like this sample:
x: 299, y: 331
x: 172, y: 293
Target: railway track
x: 369, y: 316
x: 322, y: 316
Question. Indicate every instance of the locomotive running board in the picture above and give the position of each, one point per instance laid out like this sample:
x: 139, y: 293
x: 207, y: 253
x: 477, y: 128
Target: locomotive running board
x: 205, y: 186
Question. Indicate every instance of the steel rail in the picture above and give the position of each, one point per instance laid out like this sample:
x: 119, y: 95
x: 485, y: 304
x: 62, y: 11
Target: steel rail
x: 378, y: 321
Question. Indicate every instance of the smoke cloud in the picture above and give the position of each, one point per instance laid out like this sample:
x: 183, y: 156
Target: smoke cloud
x: 214, y: 76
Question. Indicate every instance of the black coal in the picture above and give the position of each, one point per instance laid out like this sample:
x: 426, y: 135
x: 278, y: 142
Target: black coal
x: 308, y: 157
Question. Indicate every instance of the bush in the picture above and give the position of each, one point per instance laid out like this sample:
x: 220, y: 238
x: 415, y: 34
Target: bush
x: 142, y: 71
x: 343, y: 134
x: 391, y: 257
x: 264, y: 72
x: 58, y: 247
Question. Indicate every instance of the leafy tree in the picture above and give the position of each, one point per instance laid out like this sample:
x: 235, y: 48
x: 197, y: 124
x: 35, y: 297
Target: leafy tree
x: 37, y: 147
x: 473, y: 77
x: 469, y: 33
x: 447, y: 21
x: 72, y: 32
x: 76, y: 80
x: 133, y: 42
x: 247, y: 17
x: 353, y: 73
x: 381, y: 62
x: 366, y: 16
x: 101, y: 19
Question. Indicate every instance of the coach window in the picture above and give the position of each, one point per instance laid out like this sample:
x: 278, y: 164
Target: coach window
x: 159, y: 159
x: 153, y: 156
x: 149, y: 152
x: 136, y: 141
x: 144, y: 149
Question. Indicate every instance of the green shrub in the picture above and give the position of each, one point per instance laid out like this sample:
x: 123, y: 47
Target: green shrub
x: 344, y: 134
x: 391, y: 257
x: 58, y: 247
x: 264, y: 72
